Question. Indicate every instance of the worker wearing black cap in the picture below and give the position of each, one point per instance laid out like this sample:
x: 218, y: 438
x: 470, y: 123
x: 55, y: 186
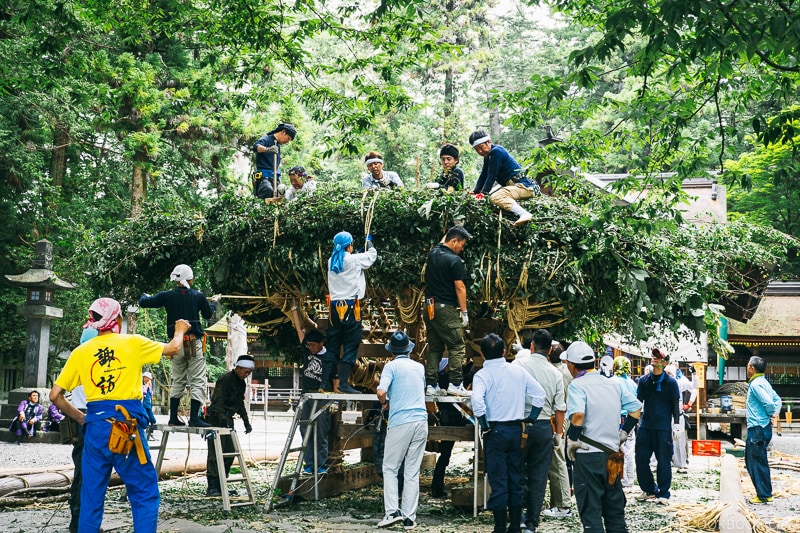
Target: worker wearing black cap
x: 452, y: 177
x: 268, y: 159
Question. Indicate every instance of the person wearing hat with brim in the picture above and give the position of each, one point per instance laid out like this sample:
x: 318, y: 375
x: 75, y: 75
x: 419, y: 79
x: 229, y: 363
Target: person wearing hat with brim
x: 594, y: 403
x: 502, y: 169
x: 227, y: 401
x: 188, y: 368
x: 377, y: 178
x: 109, y: 366
x: 504, y: 396
x: 347, y: 286
x: 302, y: 184
x: 268, y: 159
x: 147, y: 401
x: 402, y: 391
x: 661, y: 416
x: 452, y: 177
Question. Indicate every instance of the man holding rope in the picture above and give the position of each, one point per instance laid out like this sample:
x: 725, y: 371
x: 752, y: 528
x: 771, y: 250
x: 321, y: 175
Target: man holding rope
x: 268, y: 159
x: 109, y: 367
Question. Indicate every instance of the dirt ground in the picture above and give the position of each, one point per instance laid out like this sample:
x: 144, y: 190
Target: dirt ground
x: 185, y: 508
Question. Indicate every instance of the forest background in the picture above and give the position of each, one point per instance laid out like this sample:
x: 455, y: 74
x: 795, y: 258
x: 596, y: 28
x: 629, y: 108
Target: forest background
x: 111, y: 112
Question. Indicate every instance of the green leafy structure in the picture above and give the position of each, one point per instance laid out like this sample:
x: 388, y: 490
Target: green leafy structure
x: 610, y: 269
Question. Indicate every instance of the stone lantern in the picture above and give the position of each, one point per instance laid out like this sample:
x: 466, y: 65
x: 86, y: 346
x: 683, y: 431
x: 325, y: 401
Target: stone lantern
x: 41, y: 283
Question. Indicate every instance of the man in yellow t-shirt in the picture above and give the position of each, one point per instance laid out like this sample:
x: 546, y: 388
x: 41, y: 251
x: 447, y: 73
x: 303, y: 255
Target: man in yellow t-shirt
x: 109, y: 367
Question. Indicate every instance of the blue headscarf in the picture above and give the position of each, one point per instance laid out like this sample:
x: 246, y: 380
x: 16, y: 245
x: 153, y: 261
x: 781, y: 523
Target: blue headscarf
x: 340, y: 243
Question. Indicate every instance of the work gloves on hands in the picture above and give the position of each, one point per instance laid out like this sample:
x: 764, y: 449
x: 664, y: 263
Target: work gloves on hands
x: 385, y: 182
x: 676, y: 431
x: 432, y: 185
x: 557, y: 441
x: 464, y: 318
x: 247, y: 427
x: 573, y: 446
x: 623, y: 436
x: 271, y: 149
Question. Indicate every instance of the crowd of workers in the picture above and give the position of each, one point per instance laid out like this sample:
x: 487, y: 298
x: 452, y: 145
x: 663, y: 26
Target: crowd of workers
x: 550, y: 416
x: 502, y: 179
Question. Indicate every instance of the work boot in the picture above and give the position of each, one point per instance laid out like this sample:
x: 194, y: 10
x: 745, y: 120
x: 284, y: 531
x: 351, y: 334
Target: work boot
x: 174, y: 405
x: 194, y: 415
x: 500, y: 521
x: 344, y: 376
x: 516, y: 519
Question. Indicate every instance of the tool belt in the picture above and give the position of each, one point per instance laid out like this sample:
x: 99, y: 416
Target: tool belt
x: 341, y: 307
x: 615, y: 462
x: 125, y: 435
x: 189, y: 346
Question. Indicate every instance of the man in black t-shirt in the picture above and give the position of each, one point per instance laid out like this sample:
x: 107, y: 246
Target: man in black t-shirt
x: 446, y: 310
x: 313, y: 347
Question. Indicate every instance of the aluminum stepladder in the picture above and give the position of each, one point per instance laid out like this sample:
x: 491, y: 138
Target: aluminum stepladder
x: 320, y: 403
x: 216, y: 433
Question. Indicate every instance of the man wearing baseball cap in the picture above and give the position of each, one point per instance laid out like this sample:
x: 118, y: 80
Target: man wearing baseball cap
x: 661, y: 414
x: 593, y: 406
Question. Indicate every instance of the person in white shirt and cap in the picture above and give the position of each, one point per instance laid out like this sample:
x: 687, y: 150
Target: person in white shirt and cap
x: 189, y: 365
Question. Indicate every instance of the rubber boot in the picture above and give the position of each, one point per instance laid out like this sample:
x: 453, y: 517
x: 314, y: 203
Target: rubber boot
x: 516, y: 519
x: 344, y: 376
x: 174, y: 405
x: 500, y: 521
x: 194, y: 415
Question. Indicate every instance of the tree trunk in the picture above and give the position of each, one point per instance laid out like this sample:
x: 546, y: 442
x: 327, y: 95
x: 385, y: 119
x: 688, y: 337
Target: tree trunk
x: 59, y: 157
x: 139, y: 185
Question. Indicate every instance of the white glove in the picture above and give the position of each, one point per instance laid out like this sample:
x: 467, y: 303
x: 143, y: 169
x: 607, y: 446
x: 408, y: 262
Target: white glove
x: 385, y: 182
x: 464, y: 319
x: 271, y: 149
x: 623, y: 436
x: 281, y: 189
x: 432, y: 185
x: 676, y: 431
x: 573, y: 446
x: 557, y: 442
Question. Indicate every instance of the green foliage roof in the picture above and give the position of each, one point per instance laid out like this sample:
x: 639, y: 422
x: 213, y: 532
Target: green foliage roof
x: 621, y: 268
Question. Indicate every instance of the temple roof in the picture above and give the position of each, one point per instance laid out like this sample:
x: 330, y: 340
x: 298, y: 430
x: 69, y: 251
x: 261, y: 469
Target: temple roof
x: 776, y: 316
x: 39, y: 277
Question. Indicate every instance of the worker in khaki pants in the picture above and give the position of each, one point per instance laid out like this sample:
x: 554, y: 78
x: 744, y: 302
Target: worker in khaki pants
x: 558, y: 475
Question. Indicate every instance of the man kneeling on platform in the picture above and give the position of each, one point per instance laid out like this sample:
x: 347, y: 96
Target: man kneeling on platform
x: 228, y: 400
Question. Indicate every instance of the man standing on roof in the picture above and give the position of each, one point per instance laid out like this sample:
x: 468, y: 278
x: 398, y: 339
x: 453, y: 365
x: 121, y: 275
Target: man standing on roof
x: 446, y: 313
x: 377, y: 178
x: 661, y: 415
x: 228, y: 400
x: 501, y: 169
x: 593, y: 405
x: 109, y: 366
x: 189, y: 364
x: 268, y: 159
x: 347, y: 286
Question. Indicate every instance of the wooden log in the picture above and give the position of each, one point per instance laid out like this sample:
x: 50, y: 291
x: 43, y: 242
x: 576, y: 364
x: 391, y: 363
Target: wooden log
x: 730, y: 492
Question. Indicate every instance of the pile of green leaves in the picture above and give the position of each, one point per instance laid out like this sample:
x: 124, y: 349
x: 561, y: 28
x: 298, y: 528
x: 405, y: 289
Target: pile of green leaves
x: 613, y: 268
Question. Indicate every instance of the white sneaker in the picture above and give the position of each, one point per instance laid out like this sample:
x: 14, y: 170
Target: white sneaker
x: 523, y: 218
x: 433, y: 390
x: 393, y: 518
x: 662, y: 501
x: 458, y: 390
x: 557, y: 512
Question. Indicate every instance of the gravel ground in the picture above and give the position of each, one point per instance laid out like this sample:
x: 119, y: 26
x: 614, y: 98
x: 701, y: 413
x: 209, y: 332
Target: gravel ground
x: 184, y: 507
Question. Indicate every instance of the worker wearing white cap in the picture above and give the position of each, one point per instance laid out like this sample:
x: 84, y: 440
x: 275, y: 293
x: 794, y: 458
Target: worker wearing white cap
x: 189, y: 365
x: 593, y: 405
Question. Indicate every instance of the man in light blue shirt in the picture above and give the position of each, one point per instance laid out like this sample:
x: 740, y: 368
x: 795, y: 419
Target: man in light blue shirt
x: 402, y: 391
x: 762, y: 404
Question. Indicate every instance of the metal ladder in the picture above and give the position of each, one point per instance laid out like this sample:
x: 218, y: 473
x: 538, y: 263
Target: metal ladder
x: 320, y: 402
x: 237, y: 454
